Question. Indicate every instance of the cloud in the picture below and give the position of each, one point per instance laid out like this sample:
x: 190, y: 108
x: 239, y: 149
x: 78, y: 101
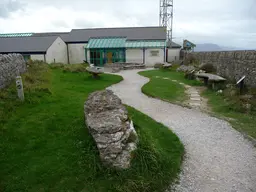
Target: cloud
x: 9, y: 6
x: 224, y: 22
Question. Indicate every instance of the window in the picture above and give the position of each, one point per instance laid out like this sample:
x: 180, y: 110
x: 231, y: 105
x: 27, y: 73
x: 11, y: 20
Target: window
x: 154, y: 53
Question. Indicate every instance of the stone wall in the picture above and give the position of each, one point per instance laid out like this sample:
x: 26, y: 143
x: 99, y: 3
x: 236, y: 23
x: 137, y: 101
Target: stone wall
x: 11, y: 65
x: 232, y: 64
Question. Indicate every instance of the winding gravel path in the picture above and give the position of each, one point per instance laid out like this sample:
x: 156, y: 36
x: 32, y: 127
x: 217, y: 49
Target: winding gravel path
x: 218, y: 158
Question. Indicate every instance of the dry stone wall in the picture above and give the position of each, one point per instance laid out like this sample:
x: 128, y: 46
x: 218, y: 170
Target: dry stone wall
x: 232, y: 64
x: 11, y: 65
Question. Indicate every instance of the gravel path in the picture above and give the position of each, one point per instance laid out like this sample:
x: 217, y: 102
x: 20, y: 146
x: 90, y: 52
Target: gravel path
x: 218, y: 158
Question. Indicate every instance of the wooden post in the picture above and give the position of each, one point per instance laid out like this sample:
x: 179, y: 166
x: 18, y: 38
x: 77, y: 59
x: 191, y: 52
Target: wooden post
x: 19, y: 86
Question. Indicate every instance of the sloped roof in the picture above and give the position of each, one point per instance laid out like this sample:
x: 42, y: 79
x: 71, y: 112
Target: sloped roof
x: 63, y: 35
x: 145, y: 44
x: 26, y: 44
x: 106, y: 42
x: 16, y: 34
x: 171, y: 44
x: 131, y: 33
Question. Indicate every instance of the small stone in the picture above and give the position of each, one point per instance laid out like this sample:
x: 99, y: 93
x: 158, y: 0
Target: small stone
x: 195, y: 95
x: 195, y: 104
x: 195, y: 99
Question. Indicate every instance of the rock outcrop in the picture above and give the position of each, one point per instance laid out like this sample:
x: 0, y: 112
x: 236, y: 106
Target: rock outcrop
x: 11, y: 65
x: 108, y: 122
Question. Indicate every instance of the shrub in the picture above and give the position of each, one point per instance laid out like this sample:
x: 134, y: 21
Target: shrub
x: 190, y: 75
x: 158, y: 65
x: 175, y: 67
x: 75, y: 68
x: 208, y: 68
x: 191, y: 60
x: 240, y: 103
x: 56, y: 65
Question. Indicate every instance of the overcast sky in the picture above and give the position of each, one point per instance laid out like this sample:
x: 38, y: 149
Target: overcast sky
x: 224, y: 22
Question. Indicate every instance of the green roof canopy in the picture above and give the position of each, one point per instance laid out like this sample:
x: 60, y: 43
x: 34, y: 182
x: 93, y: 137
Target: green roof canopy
x: 16, y: 35
x: 145, y: 44
x: 108, y: 42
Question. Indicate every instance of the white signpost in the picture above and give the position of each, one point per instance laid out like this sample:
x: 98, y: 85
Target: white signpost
x: 19, y: 86
x: 241, y: 84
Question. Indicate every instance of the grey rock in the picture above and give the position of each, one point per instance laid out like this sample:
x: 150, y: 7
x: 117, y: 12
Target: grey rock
x: 11, y: 65
x: 108, y: 122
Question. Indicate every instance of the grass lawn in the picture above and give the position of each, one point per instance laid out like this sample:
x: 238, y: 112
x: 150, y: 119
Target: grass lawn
x: 166, y: 89
x: 179, y: 76
x: 46, y: 147
x: 245, y: 123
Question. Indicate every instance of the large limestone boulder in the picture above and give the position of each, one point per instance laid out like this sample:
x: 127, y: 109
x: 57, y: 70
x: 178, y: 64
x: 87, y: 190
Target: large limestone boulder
x: 107, y: 120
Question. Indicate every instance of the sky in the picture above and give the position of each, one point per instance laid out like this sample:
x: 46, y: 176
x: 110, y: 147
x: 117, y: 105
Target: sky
x: 230, y: 23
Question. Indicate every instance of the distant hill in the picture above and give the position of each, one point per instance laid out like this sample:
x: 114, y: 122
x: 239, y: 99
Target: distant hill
x: 214, y: 47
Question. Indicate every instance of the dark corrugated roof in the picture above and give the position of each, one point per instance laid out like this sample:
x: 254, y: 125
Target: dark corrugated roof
x: 132, y: 33
x: 26, y: 44
x: 63, y: 35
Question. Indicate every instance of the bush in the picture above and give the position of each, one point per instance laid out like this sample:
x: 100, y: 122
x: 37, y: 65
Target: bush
x: 175, y: 67
x: 208, y: 68
x: 191, y: 60
x: 75, y: 68
x: 240, y: 103
x: 158, y: 65
x: 190, y: 75
x: 56, y: 65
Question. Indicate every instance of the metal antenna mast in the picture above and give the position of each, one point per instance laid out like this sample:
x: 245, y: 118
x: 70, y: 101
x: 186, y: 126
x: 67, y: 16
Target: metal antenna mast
x: 166, y: 17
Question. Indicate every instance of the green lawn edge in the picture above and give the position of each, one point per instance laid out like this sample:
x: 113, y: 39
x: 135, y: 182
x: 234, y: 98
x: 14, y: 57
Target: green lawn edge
x: 244, y: 123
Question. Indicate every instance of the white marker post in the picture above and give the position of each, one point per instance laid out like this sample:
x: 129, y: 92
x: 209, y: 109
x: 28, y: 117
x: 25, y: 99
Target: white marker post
x: 19, y: 86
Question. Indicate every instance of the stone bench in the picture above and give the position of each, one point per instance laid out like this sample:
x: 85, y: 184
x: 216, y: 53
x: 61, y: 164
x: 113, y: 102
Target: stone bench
x: 95, y: 71
x: 167, y: 65
x: 211, y: 78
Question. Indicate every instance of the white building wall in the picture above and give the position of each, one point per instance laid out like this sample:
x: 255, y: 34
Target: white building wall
x: 134, y: 55
x: 37, y: 57
x: 57, y: 52
x: 77, y: 53
x: 173, y: 54
x: 151, y: 60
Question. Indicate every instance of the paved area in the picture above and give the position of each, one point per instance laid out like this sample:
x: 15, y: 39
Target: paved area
x: 218, y: 158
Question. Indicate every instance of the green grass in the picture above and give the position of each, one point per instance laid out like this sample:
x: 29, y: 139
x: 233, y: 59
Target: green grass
x: 243, y: 122
x: 166, y: 89
x: 46, y: 147
x: 179, y: 76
